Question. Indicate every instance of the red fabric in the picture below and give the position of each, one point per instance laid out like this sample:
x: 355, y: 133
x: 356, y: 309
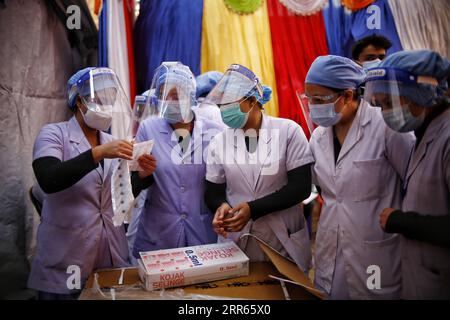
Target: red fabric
x: 296, y: 41
x: 128, y: 9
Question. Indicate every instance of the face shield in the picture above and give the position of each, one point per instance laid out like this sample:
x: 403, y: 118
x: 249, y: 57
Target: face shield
x: 144, y: 107
x: 102, y: 94
x: 174, y: 92
x: 236, y: 85
x: 394, y: 91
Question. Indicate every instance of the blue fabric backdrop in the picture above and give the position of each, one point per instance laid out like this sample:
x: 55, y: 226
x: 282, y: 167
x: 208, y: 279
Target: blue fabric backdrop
x: 344, y: 27
x: 103, y: 37
x: 167, y: 30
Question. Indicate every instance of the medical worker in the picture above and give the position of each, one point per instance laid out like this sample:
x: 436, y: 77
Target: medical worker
x: 258, y: 171
x: 205, y: 83
x: 73, y: 162
x: 359, y: 163
x: 175, y: 214
x: 411, y: 89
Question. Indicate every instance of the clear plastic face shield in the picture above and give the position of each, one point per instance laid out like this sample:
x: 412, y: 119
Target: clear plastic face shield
x: 304, y: 107
x: 174, y: 90
x: 108, y: 106
x: 144, y: 108
x: 394, y: 91
x: 234, y: 87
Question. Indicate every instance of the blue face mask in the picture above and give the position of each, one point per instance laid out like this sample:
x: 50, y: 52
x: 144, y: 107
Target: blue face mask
x: 403, y: 122
x: 233, y: 117
x: 324, y: 114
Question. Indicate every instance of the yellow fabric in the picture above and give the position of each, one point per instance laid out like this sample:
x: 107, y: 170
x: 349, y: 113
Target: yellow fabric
x: 229, y: 38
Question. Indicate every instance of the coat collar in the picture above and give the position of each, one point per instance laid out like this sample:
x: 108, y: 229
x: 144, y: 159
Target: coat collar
x: 354, y: 135
x: 77, y: 136
x: 263, y: 151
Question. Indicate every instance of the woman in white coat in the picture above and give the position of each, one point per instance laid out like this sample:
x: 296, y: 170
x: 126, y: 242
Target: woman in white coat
x: 410, y: 87
x: 359, y: 163
x: 258, y: 171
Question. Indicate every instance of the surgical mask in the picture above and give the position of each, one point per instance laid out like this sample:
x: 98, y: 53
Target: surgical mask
x: 233, y: 117
x: 371, y: 64
x: 324, y: 114
x: 403, y: 122
x: 100, y: 119
x: 172, y: 113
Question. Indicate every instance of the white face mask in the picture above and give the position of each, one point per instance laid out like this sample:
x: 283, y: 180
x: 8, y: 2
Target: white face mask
x: 371, y: 64
x: 100, y: 119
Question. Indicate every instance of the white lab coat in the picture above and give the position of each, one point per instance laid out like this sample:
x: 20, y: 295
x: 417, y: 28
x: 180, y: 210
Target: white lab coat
x: 365, y: 180
x: 282, y: 147
x: 426, y: 267
x: 209, y: 111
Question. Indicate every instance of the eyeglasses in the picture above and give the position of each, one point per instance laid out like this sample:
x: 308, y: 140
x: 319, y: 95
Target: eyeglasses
x: 317, y: 99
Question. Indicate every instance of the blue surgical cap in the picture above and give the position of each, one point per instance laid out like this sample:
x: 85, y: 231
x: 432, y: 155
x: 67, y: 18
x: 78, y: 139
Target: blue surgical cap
x: 206, y: 82
x: 335, y: 72
x: 267, y: 93
x: 421, y: 63
x: 72, y: 91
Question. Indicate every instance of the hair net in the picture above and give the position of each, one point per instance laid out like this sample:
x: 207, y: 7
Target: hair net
x: 421, y: 63
x: 72, y: 89
x: 206, y: 82
x: 267, y: 93
x: 335, y: 72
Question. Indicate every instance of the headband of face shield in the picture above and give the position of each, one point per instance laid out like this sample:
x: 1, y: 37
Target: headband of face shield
x: 106, y: 102
x: 174, y: 92
x: 237, y: 83
x: 391, y: 83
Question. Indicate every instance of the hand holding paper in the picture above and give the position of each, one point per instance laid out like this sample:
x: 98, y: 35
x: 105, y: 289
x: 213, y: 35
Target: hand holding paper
x: 140, y: 149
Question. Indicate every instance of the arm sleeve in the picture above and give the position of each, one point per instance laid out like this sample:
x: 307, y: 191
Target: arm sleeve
x: 426, y: 228
x: 53, y: 175
x: 215, y: 195
x: 139, y: 184
x: 398, y: 150
x: 295, y: 191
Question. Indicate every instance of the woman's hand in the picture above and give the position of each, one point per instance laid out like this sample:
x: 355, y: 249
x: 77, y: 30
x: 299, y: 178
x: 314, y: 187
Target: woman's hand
x: 241, y: 216
x: 221, y: 213
x: 116, y: 149
x: 147, y: 162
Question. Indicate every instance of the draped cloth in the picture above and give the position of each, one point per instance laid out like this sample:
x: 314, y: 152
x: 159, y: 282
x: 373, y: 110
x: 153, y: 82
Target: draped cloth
x: 167, y: 30
x: 344, y: 27
x: 243, y: 6
x: 245, y: 39
x: 423, y: 24
x: 296, y: 42
x: 304, y: 7
x: 356, y: 5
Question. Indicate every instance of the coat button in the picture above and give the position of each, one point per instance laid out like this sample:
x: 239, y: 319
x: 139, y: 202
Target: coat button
x: 184, y: 216
x: 183, y: 189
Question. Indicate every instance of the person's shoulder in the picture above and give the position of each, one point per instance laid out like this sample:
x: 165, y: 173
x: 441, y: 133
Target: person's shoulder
x: 211, y: 124
x: 56, y: 128
x: 152, y: 123
x: 317, y: 133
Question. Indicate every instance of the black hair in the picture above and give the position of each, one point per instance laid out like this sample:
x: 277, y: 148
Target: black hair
x: 376, y: 40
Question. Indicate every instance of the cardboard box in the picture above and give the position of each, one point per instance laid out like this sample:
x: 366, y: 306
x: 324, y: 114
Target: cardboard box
x: 277, y: 279
x: 257, y: 285
x: 191, y: 265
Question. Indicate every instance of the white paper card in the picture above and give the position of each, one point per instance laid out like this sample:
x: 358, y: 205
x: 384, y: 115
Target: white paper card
x: 140, y: 149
